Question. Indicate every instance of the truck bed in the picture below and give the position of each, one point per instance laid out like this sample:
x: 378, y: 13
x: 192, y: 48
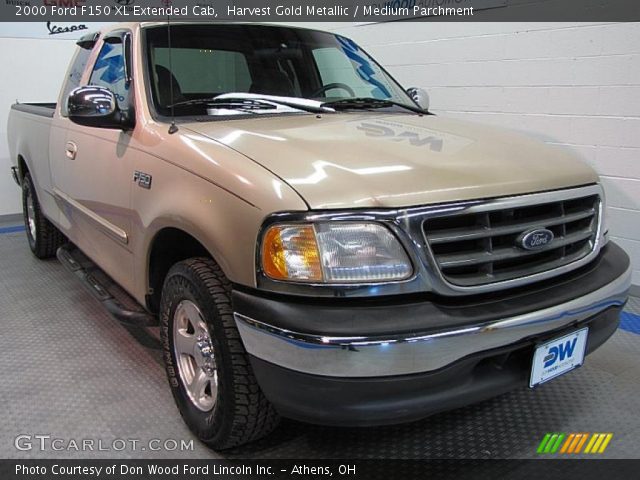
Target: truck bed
x: 41, y: 109
x: 29, y: 135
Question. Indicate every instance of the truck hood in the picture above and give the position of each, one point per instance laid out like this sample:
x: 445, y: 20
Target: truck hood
x: 363, y: 160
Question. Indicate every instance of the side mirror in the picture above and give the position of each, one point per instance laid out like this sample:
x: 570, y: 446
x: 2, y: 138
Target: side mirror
x: 94, y: 106
x: 420, y: 96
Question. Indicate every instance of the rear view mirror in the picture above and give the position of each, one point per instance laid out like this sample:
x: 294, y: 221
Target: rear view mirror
x: 420, y: 96
x: 94, y: 106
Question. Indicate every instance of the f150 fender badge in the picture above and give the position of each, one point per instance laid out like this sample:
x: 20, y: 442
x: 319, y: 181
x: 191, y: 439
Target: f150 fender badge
x: 142, y: 179
x: 535, y: 239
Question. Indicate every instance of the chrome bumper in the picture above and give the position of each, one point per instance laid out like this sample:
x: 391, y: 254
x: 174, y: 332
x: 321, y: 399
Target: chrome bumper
x: 14, y: 174
x: 388, y: 356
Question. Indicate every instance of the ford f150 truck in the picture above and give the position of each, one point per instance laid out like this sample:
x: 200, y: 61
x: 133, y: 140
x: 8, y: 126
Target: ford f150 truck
x: 311, y: 241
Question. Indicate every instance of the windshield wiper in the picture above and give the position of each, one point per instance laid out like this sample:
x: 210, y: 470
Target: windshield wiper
x: 225, y: 104
x: 253, y: 101
x: 370, y: 102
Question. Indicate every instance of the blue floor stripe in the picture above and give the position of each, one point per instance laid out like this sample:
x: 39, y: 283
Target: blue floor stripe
x: 18, y: 228
x: 630, y: 322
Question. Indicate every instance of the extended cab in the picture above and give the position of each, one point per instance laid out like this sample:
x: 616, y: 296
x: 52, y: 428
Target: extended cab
x: 312, y: 242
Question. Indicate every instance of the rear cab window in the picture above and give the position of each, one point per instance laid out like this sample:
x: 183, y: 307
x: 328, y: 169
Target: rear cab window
x: 201, y: 70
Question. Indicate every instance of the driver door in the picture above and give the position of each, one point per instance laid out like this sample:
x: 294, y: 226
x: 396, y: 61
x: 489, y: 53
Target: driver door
x: 98, y: 172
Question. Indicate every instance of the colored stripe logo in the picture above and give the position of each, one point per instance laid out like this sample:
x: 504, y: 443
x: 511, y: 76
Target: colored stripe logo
x: 572, y: 443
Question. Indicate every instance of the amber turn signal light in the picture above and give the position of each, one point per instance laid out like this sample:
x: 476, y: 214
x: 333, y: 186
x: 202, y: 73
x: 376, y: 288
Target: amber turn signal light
x: 290, y: 252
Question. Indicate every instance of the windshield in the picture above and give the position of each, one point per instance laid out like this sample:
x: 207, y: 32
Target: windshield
x: 210, y: 60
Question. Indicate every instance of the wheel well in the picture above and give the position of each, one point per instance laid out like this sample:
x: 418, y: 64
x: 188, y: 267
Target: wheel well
x: 22, y: 167
x: 169, y: 247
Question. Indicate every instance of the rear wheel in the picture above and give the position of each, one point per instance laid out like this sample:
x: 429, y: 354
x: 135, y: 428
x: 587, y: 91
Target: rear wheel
x: 44, y: 238
x: 207, y: 366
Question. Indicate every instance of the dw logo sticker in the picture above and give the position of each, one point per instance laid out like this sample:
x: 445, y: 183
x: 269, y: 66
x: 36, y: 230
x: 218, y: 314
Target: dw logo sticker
x: 560, y: 352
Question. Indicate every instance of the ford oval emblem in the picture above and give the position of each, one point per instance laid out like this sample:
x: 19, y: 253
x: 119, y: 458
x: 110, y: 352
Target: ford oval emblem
x: 535, y: 239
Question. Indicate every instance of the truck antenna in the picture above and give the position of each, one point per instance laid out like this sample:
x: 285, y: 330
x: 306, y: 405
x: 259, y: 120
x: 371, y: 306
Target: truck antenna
x: 173, y: 128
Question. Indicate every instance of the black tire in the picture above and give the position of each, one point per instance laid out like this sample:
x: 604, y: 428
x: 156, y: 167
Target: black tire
x: 46, y: 239
x: 241, y: 413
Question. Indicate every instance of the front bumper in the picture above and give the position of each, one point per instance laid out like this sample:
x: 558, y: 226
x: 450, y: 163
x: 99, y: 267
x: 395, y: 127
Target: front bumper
x: 400, y: 353
x: 390, y: 400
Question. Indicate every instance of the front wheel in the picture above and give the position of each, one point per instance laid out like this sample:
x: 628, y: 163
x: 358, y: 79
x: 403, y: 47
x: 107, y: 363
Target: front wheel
x: 207, y: 366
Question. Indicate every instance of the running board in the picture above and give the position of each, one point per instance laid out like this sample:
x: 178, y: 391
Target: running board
x: 117, y: 302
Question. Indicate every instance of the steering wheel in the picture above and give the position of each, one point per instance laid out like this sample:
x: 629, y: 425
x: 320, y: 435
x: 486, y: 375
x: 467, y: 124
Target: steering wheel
x: 331, y: 86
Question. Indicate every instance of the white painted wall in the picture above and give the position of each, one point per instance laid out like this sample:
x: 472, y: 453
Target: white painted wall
x: 32, y: 71
x: 573, y: 84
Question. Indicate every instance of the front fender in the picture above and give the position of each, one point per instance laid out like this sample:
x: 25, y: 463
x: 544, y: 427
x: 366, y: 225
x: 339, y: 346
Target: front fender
x: 224, y: 222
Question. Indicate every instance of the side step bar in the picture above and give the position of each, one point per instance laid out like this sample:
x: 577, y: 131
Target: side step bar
x: 117, y: 302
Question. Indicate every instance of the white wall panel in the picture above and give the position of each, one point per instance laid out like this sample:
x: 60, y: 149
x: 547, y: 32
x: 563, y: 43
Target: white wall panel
x: 32, y: 71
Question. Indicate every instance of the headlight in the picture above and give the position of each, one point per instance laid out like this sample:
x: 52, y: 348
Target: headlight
x: 338, y: 252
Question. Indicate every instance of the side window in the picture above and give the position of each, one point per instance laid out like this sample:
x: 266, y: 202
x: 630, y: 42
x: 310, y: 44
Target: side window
x: 109, y: 72
x: 78, y: 65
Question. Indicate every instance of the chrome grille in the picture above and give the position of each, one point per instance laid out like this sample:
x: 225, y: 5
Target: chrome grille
x: 473, y: 248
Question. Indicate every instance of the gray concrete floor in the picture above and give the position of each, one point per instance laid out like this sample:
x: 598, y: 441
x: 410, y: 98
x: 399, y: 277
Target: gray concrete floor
x: 71, y: 372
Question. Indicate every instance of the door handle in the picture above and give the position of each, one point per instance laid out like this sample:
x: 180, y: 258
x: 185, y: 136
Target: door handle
x: 71, y: 150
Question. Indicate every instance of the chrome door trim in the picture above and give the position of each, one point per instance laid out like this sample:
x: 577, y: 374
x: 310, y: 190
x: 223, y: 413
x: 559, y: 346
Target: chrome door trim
x: 107, y: 227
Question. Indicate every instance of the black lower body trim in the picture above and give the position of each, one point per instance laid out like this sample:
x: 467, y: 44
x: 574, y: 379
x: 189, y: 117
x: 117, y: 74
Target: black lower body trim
x: 389, y: 400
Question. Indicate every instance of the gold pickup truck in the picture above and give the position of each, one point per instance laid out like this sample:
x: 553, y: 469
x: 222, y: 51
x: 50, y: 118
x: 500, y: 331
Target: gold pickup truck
x: 311, y: 241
